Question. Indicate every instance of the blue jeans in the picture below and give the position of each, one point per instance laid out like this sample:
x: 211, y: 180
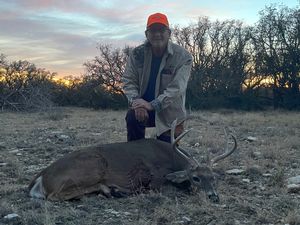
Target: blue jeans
x: 136, y: 130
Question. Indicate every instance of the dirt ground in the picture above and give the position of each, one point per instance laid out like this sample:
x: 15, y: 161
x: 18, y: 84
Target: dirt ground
x: 268, y: 153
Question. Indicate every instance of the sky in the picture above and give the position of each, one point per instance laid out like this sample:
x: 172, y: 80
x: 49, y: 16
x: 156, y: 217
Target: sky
x: 61, y: 35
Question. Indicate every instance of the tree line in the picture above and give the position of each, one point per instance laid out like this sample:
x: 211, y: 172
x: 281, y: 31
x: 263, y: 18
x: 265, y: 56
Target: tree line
x: 24, y: 87
x: 234, y: 66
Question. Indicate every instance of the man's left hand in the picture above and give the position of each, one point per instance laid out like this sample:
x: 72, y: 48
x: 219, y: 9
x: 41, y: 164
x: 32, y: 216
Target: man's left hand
x: 141, y: 103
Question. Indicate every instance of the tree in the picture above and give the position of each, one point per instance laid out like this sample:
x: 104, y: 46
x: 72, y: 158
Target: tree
x: 108, y: 68
x: 23, y: 86
x: 221, y: 62
x: 276, y: 39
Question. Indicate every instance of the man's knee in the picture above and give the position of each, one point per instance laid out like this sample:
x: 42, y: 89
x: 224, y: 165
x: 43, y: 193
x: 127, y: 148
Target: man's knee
x: 130, y: 116
x: 135, y: 130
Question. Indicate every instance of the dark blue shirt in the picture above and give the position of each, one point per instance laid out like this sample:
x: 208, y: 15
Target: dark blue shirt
x: 149, y: 94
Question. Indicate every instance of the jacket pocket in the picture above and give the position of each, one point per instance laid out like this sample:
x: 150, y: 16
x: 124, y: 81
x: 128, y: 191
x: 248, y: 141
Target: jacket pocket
x: 164, y: 81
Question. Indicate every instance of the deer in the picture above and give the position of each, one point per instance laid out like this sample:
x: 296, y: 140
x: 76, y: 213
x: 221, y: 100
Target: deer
x: 127, y: 168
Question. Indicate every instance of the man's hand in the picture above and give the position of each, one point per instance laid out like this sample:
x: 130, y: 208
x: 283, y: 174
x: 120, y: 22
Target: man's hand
x: 141, y: 103
x: 141, y: 114
x: 141, y: 108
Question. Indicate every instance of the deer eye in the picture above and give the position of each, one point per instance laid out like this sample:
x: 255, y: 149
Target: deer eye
x: 196, y: 179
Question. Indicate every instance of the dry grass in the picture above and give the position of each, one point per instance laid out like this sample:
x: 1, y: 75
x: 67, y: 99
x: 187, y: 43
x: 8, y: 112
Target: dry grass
x: 31, y: 141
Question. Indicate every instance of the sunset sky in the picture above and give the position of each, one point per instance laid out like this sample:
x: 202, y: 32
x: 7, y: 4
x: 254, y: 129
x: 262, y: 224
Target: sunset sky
x: 61, y: 35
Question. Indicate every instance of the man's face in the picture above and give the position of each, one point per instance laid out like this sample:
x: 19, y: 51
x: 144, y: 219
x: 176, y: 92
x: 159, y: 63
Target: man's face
x: 158, y: 35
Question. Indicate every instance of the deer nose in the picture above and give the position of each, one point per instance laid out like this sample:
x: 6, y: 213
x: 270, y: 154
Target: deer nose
x: 214, y: 197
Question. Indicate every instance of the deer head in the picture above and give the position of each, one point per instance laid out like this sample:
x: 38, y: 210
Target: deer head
x: 201, y: 177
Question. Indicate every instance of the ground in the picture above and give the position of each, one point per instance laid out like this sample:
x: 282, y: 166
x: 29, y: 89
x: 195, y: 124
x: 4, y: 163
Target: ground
x: 268, y: 153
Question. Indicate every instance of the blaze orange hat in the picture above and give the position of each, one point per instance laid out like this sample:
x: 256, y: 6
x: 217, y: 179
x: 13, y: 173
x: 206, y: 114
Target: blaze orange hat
x: 157, y: 18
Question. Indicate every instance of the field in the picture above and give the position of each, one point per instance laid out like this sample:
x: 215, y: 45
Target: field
x: 268, y: 153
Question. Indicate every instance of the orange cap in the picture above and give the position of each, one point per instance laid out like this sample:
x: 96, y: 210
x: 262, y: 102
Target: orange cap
x: 157, y: 18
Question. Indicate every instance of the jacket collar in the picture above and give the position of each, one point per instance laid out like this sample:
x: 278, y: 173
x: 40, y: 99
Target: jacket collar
x: 170, y: 48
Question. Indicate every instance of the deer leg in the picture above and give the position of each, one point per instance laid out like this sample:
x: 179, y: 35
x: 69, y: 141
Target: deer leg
x: 105, y: 190
x: 37, y: 191
x: 119, y: 192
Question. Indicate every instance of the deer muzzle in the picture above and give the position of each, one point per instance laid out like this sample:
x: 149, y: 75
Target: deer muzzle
x: 213, y: 196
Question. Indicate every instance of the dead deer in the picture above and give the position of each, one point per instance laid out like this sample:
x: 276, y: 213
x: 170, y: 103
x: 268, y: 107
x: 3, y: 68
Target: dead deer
x: 121, y: 169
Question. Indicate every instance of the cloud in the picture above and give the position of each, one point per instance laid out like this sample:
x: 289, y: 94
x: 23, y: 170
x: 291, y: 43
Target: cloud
x: 62, y: 35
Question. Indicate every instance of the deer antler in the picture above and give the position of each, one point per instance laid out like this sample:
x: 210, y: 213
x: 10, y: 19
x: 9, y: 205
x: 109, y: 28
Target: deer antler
x: 227, y: 151
x: 175, y: 141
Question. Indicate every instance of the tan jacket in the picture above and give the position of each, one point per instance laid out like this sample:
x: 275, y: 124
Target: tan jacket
x: 171, y: 82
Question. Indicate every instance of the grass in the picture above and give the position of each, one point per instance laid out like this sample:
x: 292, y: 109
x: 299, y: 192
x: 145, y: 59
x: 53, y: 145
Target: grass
x: 31, y: 141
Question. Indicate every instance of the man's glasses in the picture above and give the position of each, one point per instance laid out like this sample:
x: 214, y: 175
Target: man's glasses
x: 158, y: 30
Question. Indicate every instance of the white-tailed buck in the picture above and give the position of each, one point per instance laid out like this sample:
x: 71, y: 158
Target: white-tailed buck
x: 121, y: 169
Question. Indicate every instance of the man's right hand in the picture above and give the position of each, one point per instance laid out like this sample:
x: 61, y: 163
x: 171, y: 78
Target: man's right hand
x: 141, y: 114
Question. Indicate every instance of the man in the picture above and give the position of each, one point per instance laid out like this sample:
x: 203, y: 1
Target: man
x: 155, y: 82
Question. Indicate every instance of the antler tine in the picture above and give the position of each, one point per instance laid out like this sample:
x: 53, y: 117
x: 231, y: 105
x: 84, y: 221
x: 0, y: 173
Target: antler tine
x: 182, y: 135
x: 173, y: 127
x: 191, y: 159
x: 227, y: 152
x: 175, y: 141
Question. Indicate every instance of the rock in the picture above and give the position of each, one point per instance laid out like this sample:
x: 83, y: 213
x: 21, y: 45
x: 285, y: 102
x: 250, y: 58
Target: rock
x: 14, y: 151
x: 293, y: 184
x: 257, y: 154
x: 113, y: 212
x: 293, y: 188
x: 267, y: 175
x: 246, y: 181
x: 80, y: 206
x: 63, y: 136
x: 2, y: 145
x: 56, y: 132
x: 11, y: 216
x: 270, y: 128
x: 251, y: 139
x: 294, y: 180
x: 235, y: 171
x: 96, y: 134
x: 262, y: 188
x: 237, y: 222
x: 196, y: 144
x: 186, y: 219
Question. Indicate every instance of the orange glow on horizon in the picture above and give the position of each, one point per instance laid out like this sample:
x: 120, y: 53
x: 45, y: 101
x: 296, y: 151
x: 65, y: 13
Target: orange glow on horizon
x: 67, y: 81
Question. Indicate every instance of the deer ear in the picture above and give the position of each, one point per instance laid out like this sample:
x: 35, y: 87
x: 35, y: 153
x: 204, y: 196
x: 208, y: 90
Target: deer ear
x: 177, y: 177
